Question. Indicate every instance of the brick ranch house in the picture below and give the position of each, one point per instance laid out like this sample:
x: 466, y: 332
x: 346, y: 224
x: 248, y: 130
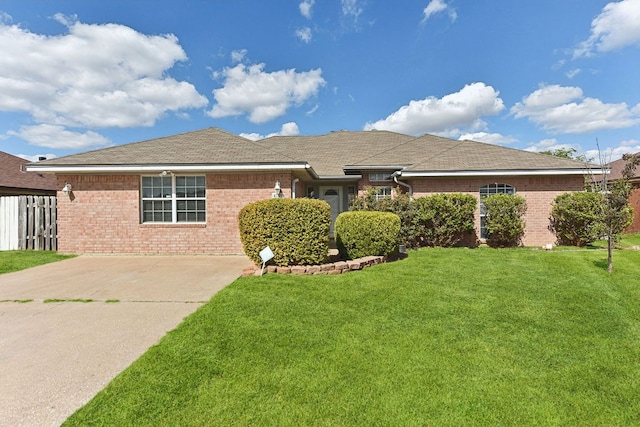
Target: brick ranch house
x: 181, y: 194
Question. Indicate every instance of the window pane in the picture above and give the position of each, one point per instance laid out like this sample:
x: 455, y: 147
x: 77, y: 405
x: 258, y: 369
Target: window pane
x: 157, y: 195
x: 191, y: 210
x: 156, y: 211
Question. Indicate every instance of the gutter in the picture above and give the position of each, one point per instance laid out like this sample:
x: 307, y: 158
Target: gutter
x: 515, y: 172
x: 157, y: 168
x: 404, y: 184
x: 293, y: 187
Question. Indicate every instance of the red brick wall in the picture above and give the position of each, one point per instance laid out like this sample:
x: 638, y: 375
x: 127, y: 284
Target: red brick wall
x: 103, y: 215
x: 634, y: 201
x: 539, y: 192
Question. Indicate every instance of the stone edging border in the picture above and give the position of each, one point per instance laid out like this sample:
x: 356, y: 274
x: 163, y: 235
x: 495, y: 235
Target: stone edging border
x: 338, y: 267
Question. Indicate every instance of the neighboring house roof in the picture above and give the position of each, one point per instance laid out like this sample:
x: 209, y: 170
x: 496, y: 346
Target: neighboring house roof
x: 14, y: 176
x: 616, y: 168
x: 325, y: 156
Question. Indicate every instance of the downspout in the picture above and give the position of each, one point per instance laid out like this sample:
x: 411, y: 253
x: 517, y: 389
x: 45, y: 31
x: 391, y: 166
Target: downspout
x: 404, y: 184
x: 293, y: 187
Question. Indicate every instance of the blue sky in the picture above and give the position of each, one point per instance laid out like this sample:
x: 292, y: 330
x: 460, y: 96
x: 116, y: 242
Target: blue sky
x: 79, y: 75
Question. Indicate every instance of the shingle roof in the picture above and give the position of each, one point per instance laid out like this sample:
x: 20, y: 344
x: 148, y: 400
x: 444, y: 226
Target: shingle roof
x: 327, y: 154
x: 13, y: 175
x: 204, y: 146
x: 617, y: 167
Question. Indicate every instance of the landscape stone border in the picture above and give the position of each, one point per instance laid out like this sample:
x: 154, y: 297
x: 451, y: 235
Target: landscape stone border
x: 338, y: 267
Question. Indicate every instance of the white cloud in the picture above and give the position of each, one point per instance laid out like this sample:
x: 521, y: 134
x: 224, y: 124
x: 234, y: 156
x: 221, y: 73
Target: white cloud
x: 560, y: 109
x: 238, y: 55
x: 437, y: 6
x: 55, y: 136
x: 36, y: 158
x: 548, y: 145
x: 352, y: 8
x: 287, y: 129
x: 615, y: 27
x: 572, y: 73
x: 608, y: 154
x: 442, y: 116
x: 5, y: 18
x: 304, y: 34
x: 262, y: 95
x: 614, y: 153
x: 93, y: 76
x: 490, y: 138
x: 305, y: 8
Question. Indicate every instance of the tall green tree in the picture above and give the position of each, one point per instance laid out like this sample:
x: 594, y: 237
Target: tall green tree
x: 616, y: 213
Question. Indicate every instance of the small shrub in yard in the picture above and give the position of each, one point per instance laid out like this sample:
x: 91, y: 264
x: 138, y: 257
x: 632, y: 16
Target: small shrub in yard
x: 296, y: 230
x: 401, y: 205
x: 505, y: 219
x: 576, y: 218
x: 364, y: 233
x: 445, y: 219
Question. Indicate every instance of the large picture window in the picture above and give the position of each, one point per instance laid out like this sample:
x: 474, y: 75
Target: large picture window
x: 488, y: 190
x: 173, y: 199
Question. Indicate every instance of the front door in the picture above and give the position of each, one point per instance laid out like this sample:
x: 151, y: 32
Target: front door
x: 333, y: 196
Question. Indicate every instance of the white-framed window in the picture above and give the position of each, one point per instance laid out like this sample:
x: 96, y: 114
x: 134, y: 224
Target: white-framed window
x: 382, y: 192
x: 487, y: 190
x: 380, y: 177
x: 173, y: 199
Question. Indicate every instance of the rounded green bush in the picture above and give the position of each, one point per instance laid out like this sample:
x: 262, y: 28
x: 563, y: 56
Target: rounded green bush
x: 296, y: 230
x: 576, y: 218
x: 505, y: 219
x: 365, y: 233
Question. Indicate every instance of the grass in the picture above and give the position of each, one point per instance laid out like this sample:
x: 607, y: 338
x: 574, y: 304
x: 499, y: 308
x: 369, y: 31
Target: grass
x: 446, y: 337
x: 55, y: 300
x: 11, y: 261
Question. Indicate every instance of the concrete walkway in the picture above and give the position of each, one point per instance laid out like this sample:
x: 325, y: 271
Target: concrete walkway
x: 55, y: 356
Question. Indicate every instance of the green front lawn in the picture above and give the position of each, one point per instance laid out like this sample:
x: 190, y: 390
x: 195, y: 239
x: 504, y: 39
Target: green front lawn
x: 446, y: 337
x: 11, y: 261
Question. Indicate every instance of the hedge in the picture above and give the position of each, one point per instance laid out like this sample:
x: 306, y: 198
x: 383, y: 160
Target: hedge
x: 505, y: 219
x: 446, y: 219
x: 296, y: 230
x: 363, y: 233
x: 576, y: 218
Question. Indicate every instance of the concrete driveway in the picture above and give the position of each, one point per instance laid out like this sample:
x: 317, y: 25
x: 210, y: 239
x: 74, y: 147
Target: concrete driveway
x: 55, y: 356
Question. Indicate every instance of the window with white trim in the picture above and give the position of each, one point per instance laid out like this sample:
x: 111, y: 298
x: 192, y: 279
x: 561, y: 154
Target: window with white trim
x: 382, y: 192
x: 488, y: 190
x: 173, y: 199
x: 380, y: 176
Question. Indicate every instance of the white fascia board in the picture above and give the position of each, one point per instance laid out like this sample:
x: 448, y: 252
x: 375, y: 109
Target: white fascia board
x: 87, y: 169
x: 374, y: 167
x: 340, y: 177
x: 520, y: 172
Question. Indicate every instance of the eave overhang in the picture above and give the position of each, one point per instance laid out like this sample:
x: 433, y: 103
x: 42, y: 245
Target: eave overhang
x: 158, y: 168
x: 340, y: 177
x: 373, y: 167
x: 503, y: 172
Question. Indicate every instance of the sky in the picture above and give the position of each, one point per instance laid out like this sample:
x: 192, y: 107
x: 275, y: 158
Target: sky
x: 79, y: 75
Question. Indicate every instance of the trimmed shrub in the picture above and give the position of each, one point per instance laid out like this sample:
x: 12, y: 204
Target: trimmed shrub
x: 576, y: 218
x: 505, y: 219
x: 438, y: 220
x: 445, y: 219
x: 401, y: 205
x: 296, y: 230
x: 363, y: 233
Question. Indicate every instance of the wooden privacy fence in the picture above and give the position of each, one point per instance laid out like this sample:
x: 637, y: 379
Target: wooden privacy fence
x: 28, y: 222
